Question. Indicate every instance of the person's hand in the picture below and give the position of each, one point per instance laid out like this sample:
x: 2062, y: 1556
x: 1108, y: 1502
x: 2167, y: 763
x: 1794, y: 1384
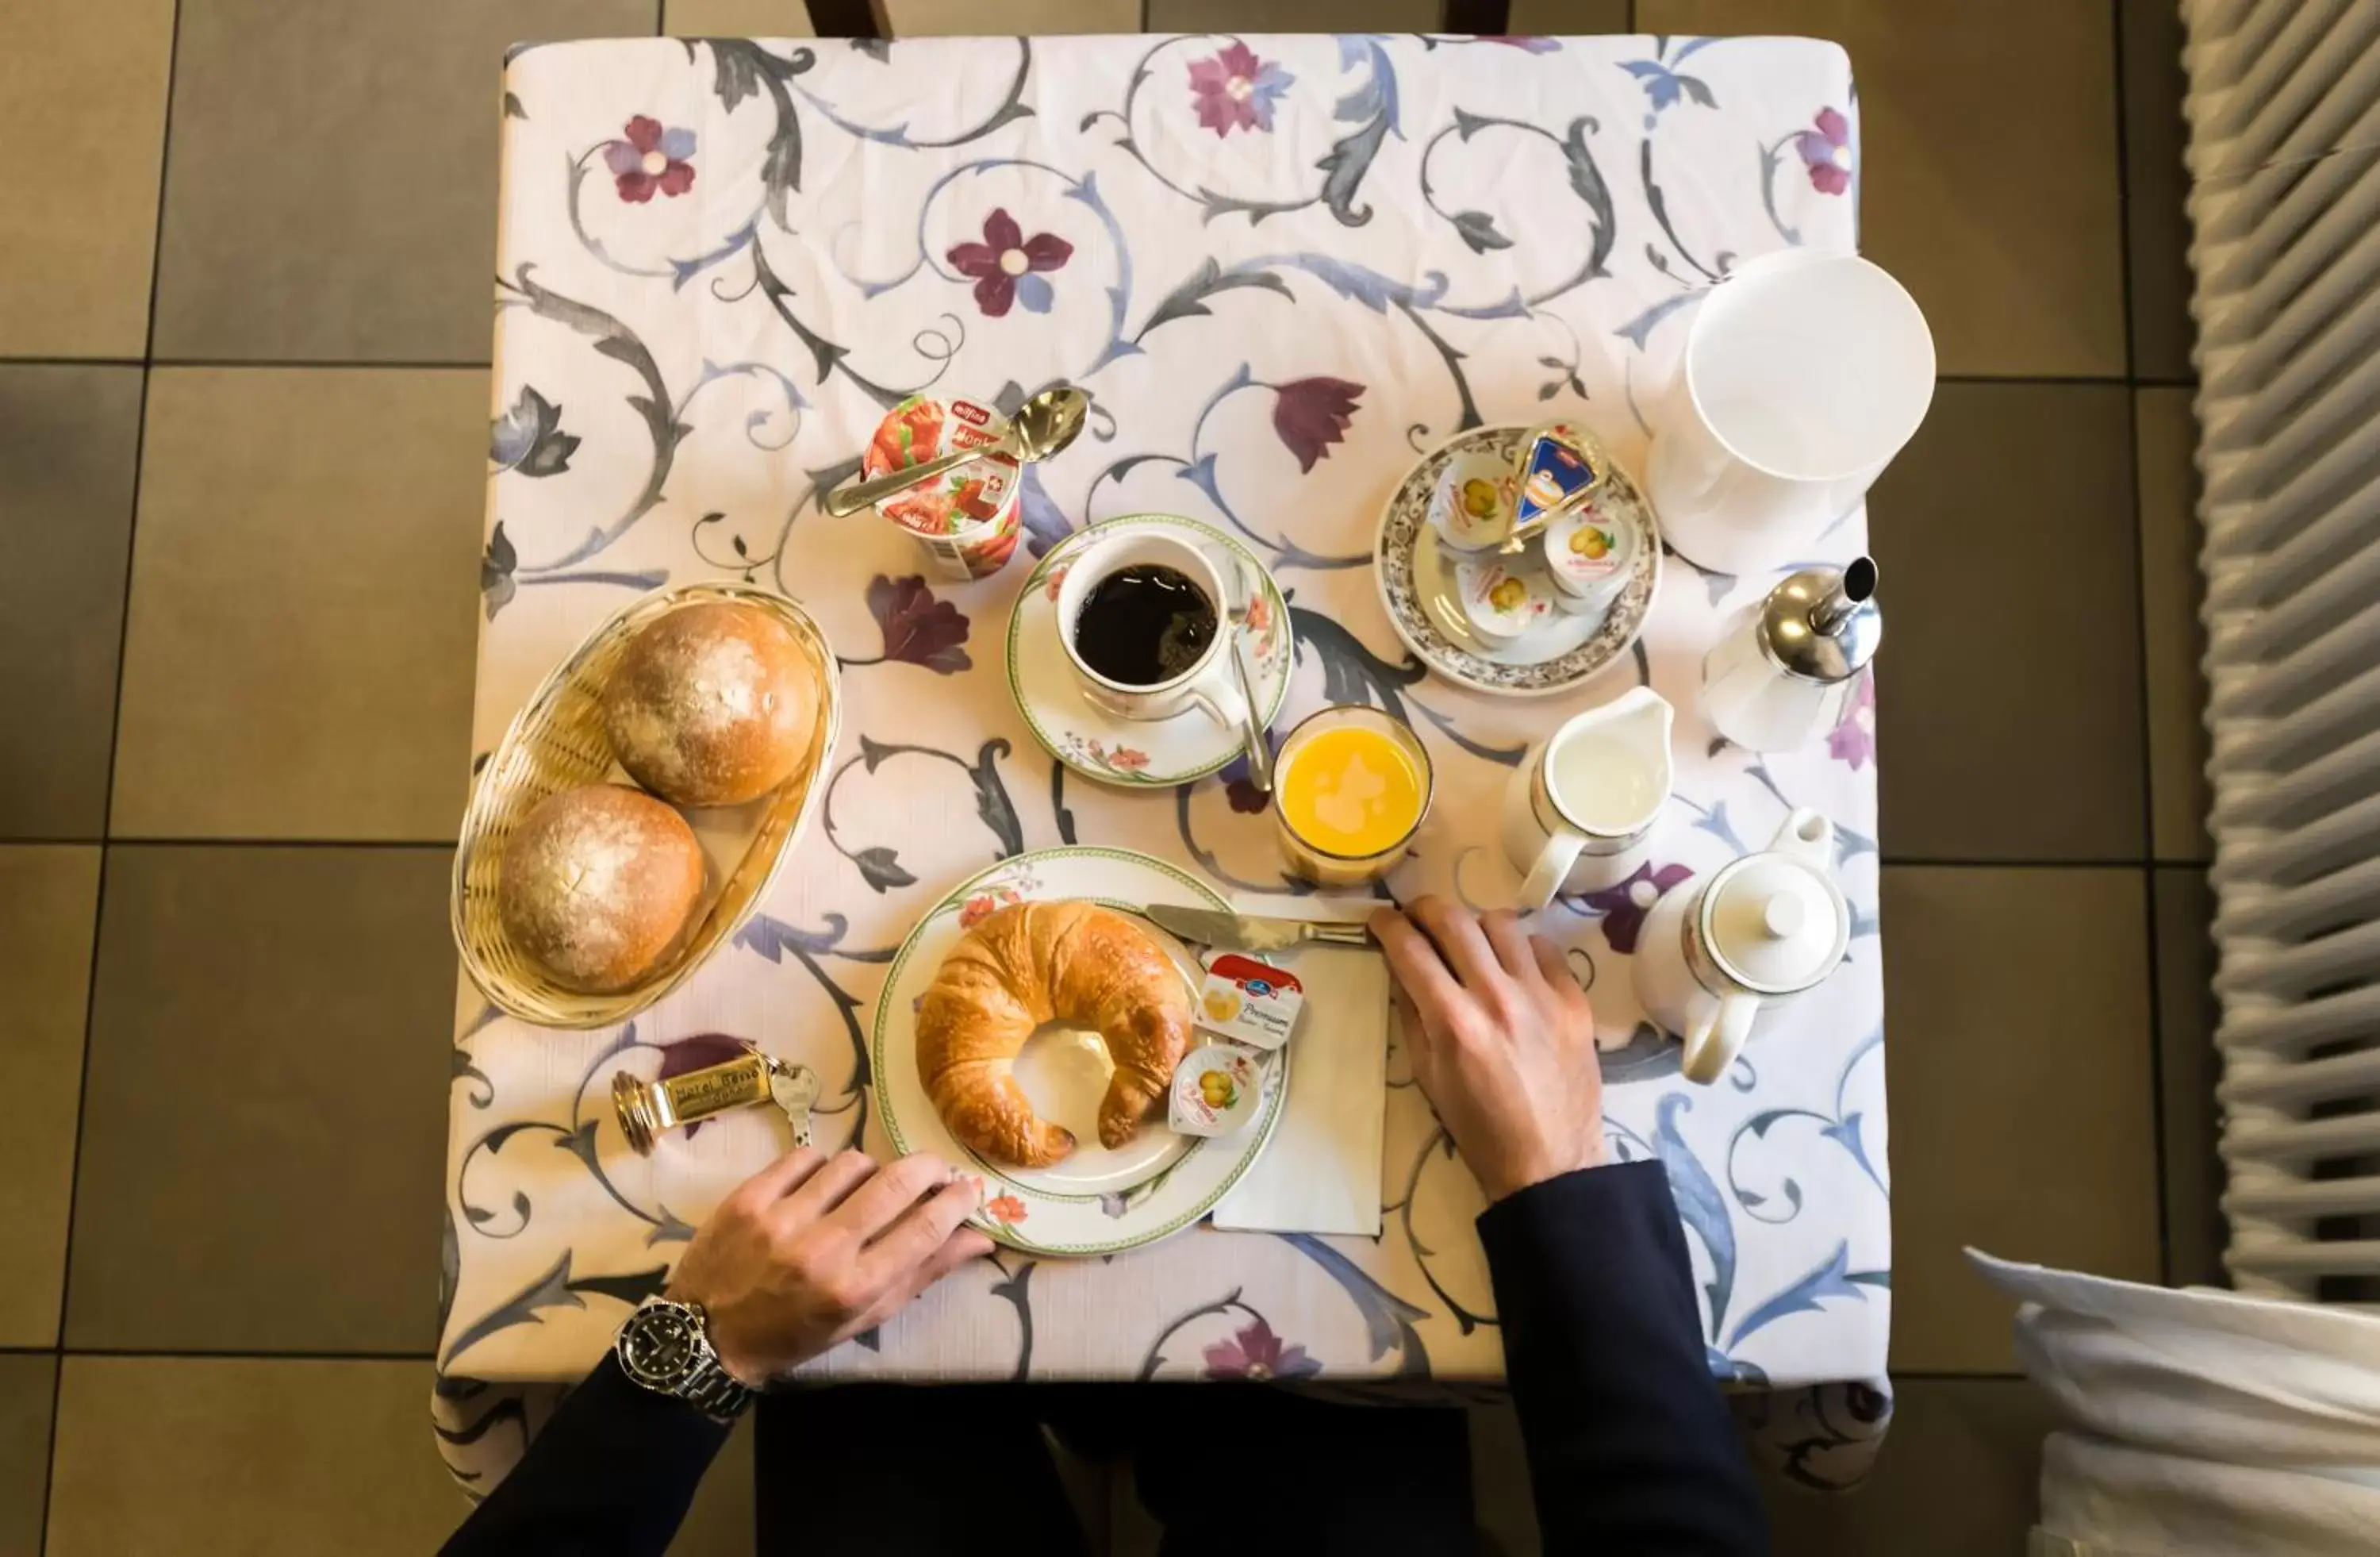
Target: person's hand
x: 1501, y: 1038
x: 813, y: 1249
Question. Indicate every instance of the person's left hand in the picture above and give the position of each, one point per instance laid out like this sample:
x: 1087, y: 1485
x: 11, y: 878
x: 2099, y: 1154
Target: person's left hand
x: 813, y: 1249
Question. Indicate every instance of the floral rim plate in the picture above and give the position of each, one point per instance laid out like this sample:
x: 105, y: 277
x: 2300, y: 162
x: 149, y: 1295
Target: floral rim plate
x: 1407, y: 580
x: 1096, y: 1201
x: 1135, y: 753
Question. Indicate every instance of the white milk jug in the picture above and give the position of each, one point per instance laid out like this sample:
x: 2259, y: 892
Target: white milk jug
x: 1580, y: 808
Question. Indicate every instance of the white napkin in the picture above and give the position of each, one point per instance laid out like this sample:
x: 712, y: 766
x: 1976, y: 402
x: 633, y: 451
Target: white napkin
x: 1321, y: 1171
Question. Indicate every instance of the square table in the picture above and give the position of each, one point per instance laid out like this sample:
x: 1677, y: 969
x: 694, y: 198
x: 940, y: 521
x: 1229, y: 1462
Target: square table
x: 1283, y: 267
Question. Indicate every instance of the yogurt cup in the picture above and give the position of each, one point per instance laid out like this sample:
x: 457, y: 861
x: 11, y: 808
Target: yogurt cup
x: 1215, y: 1091
x: 1502, y: 602
x: 1587, y: 558
x: 1471, y: 508
x: 967, y: 520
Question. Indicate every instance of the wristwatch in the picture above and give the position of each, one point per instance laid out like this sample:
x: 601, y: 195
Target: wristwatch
x: 665, y: 1347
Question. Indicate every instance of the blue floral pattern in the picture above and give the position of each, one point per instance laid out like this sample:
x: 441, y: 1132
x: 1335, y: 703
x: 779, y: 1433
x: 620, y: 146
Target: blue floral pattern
x: 1282, y: 268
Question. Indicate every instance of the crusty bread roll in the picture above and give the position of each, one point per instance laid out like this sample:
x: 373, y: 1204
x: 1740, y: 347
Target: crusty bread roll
x: 1032, y: 963
x: 597, y: 884
x: 712, y: 705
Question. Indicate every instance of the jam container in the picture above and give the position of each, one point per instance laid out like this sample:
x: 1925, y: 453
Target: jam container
x: 1503, y: 599
x: 1216, y: 1089
x: 1587, y: 556
x: 967, y: 520
x: 1470, y: 507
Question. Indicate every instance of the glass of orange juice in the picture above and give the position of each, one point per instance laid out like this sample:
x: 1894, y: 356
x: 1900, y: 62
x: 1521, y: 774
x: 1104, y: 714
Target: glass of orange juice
x: 1350, y: 789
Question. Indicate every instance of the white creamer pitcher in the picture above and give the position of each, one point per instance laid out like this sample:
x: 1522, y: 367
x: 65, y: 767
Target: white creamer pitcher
x: 1580, y: 808
x: 1758, y: 928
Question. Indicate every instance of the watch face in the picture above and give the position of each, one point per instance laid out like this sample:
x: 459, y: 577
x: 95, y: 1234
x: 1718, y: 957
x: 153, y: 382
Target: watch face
x: 661, y: 1346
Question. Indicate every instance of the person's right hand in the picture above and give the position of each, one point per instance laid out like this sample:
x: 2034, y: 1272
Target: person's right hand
x: 1501, y: 1039
x: 813, y: 1249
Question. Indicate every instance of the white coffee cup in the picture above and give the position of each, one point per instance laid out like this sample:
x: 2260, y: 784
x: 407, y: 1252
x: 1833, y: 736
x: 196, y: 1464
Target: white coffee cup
x: 1580, y: 810
x: 1209, y: 685
x: 1804, y: 375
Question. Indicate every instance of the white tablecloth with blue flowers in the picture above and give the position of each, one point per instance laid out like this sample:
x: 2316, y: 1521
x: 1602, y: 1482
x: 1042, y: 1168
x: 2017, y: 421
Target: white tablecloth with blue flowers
x: 1282, y: 267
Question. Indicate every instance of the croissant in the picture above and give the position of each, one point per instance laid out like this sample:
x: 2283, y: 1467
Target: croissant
x: 1032, y: 963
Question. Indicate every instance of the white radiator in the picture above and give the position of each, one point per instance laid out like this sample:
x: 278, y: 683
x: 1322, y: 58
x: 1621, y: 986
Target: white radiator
x: 2284, y: 111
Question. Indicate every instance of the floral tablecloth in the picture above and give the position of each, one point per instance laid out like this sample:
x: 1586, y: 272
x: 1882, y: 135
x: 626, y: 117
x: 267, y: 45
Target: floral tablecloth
x: 1282, y: 267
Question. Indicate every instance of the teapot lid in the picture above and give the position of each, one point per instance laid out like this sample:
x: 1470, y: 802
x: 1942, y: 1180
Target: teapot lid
x: 1775, y: 923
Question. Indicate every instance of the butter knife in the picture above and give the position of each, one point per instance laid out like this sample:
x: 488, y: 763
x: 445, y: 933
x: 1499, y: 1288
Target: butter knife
x: 1253, y: 932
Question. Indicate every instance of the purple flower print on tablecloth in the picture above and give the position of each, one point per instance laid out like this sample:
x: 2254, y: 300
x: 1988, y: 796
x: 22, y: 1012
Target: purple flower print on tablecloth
x: 918, y: 627
x: 1007, y: 266
x: 1827, y: 152
x: 1256, y: 1354
x: 1234, y: 90
x: 1624, y: 905
x: 1852, y: 740
x: 1312, y: 414
x: 650, y: 158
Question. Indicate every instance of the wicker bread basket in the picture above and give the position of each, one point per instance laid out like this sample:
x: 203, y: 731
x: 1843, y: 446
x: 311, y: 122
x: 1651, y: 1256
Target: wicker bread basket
x: 556, y: 742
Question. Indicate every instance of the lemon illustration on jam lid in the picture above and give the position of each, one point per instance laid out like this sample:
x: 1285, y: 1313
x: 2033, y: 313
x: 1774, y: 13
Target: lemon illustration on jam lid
x: 1508, y: 594
x: 1589, y: 542
x: 1217, y: 1087
x: 1479, y: 498
x: 1223, y: 1005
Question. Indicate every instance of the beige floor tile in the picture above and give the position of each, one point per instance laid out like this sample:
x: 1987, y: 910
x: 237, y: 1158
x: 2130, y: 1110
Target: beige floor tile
x: 2187, y: 1073
x: 736, y: 19
x: 69, y: 444
x: 28, y: 1384
x: 2018, y: 1052
x: 332, y: 194
x: 82, y: 96
x: 1295, y: 16
x: 2008, y: 688
x: 2155, y: 186
x: 719, y: 1524
x: 1567, y: 17
x: 1957, y: 1478
x: 2172, y: 638
x: 264, y: 1121
x: 166, y: 1456
x: 920, y: 18
x: 1987, y: 144
x: 48, y: 898
x: 305, y: 571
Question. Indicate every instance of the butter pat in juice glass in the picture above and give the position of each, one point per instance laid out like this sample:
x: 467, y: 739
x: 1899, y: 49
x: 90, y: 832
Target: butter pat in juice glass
x: 1350, y: 789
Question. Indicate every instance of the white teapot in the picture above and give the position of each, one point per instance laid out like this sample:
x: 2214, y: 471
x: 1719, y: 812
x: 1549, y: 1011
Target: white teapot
x: 1758, y: 928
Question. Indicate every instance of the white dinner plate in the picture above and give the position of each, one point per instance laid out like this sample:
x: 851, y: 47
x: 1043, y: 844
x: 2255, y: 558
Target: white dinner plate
x: 1097, y: 1201
x: 1137, y: 753
x: 1416, y: 576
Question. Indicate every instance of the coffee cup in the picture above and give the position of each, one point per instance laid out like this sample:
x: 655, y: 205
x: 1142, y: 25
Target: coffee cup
x: 1141, y: 618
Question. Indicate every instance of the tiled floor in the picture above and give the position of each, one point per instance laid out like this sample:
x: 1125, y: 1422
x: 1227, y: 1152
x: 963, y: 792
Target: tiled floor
x: 242, y: 337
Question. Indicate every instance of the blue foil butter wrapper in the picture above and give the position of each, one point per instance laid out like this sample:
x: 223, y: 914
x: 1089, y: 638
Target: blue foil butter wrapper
x: 1555, y: 473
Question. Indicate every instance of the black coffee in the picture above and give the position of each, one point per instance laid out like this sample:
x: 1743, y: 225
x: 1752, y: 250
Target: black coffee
x: 1143, y: 624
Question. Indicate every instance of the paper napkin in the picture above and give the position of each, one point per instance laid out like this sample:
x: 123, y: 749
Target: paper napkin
x: 1321, y: 1171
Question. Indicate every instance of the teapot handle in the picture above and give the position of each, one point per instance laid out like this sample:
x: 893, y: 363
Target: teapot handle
x: 1716, y: 1030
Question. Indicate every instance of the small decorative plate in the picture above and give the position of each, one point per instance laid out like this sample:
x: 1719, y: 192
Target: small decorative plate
x: 1416, y: 584
x: 1097, y: 1200
x: 1139, y: 753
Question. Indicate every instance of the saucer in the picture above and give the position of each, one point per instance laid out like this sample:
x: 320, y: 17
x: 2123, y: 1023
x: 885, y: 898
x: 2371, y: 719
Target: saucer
x: 1138, y: 753
x: 1415, y: 575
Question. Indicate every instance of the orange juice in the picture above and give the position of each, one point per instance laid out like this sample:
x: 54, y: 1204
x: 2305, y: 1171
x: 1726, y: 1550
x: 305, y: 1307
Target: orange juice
x: 1353, y: 787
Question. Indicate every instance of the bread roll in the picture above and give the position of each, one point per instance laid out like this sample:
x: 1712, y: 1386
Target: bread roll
x: 1032, y: 963
x: 597, y: 884
x: 712, y: 705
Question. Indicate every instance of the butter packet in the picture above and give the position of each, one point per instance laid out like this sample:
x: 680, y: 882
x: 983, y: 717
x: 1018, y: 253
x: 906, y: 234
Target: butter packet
x: 1250, y: 1001
x: 1215, y: 1090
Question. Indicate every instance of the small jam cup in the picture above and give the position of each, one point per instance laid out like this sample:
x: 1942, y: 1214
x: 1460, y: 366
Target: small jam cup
x: 1319, y: 865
